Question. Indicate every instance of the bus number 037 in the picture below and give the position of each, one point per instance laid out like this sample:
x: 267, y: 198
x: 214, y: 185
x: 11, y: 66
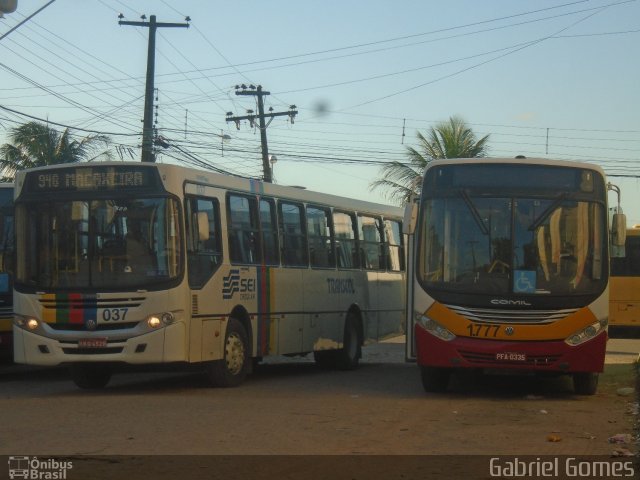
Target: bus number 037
x: 114, y: 314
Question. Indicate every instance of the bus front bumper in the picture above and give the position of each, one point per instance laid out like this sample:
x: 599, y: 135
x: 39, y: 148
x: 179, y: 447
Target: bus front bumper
x: 548, y: 356
x: 162, y: 345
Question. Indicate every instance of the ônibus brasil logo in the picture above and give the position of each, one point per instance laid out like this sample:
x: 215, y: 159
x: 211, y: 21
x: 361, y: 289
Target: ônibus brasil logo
x: 33, y: 468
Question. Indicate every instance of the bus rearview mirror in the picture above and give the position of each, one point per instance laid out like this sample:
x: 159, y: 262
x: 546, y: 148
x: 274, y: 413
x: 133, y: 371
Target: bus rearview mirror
x: 410, y: 218
x: 203, y: 226
x: 618, y: 229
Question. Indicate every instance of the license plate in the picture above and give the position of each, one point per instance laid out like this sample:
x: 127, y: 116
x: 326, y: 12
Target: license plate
x: 511, y: 357
x: 92, y: 343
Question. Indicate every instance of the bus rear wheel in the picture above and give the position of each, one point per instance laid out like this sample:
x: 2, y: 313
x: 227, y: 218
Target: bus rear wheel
x: 435, y: 379
x: 232, y: 369
x: 346, y: 358
x: 585, y: 383
x: 90, y: 377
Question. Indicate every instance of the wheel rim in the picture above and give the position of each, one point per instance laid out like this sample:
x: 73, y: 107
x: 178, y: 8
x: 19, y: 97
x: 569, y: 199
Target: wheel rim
x: 234, y: 353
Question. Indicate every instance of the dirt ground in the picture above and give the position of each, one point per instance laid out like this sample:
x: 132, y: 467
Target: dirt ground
x: 292, y: 420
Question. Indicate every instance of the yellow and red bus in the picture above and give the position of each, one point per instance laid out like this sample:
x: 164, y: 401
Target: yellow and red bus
x: 624, y: 288
x: 144, y: 263
x: 7, y: 247
x: 508, y: 269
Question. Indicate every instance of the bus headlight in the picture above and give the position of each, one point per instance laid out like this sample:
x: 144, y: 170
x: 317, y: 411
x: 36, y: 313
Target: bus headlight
x: 434, y: 328
x: 154, y: 321
x: 27, y: 323
x: 160, y: 319
x: 587, y: 333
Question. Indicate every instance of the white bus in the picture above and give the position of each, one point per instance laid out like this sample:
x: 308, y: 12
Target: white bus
x: 7, y: 247
x: 148, y: 263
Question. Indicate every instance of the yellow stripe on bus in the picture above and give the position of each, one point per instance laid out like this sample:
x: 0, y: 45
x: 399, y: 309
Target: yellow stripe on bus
x: 48, y: 314
x: 558, y: 330
x: 6, y: 324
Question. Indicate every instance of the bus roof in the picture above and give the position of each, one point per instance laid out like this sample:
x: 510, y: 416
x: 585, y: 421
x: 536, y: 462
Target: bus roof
x: 524, y: 161
x: 175, y: 176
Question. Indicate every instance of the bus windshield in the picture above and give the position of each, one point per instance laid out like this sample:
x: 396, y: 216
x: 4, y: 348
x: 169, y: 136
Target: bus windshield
x: 110, y: 244
x: 512, y: 245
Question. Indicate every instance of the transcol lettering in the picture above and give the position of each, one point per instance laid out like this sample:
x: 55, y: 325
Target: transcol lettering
x: 339, y: 285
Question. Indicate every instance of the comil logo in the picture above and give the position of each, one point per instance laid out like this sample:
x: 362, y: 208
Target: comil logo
x: 37, y: 469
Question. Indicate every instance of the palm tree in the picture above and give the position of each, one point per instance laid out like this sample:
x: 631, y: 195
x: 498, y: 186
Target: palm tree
x: 451, y: 139
x: 35, y: 144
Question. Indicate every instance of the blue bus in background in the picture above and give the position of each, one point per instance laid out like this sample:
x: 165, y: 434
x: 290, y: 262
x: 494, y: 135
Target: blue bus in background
x: 7, y: 249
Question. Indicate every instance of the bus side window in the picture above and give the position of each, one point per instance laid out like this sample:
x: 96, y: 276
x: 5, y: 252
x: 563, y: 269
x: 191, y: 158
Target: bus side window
x: 346, y: 245
x: 320, y: 243
x: 244, y: 229
x: 371, y: 247
x: 394, y: 245
x: 204, y: 246
x: 293, y: 235
x: 269, y: 230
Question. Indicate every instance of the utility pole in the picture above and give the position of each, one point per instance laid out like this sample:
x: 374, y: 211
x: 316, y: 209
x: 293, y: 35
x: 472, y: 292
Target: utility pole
x: 258, y: 92
x: 147, y: 129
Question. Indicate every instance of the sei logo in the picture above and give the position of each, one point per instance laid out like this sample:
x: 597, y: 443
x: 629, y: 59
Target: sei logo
x: 234, y: 283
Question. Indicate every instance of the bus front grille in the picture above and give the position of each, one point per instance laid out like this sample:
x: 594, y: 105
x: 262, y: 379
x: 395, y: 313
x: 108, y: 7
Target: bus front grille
x: 524, y: 317
x: 81, y: 327
x: 92, y: 351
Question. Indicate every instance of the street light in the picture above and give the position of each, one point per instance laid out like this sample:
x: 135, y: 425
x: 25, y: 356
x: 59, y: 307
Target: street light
x: 272, y: 160
x: 223, y: 137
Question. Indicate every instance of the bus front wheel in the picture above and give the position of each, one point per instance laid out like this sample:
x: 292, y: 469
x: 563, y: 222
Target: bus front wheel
x: 232, y: 369
x: 585, y: 383
x: 90, y: 377
x: 435, y: 379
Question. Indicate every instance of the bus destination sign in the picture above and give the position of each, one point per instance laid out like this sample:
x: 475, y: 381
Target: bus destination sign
x: 91, y: 178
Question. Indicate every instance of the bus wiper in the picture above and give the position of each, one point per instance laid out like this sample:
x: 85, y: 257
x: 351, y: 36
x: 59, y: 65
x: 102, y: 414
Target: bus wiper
x: 474, y: 212
x: 547, y: 212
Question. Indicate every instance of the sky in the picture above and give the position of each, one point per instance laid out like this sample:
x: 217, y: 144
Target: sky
x: 547, y: 79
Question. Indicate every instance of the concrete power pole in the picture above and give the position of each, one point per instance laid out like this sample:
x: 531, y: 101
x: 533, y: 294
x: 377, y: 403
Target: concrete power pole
x: 147, y: 122
x: 258, y: 92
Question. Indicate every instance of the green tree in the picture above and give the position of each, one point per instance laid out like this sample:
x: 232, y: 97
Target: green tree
x: 35, y: 144
x: 450, y: 139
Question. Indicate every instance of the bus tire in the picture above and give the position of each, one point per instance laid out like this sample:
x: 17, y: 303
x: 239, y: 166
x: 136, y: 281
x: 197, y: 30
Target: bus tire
x: 585, y: 383
x: 348, y: 357
x: 232, y: 369
x: 90, y: 377
x: 435, y: 379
